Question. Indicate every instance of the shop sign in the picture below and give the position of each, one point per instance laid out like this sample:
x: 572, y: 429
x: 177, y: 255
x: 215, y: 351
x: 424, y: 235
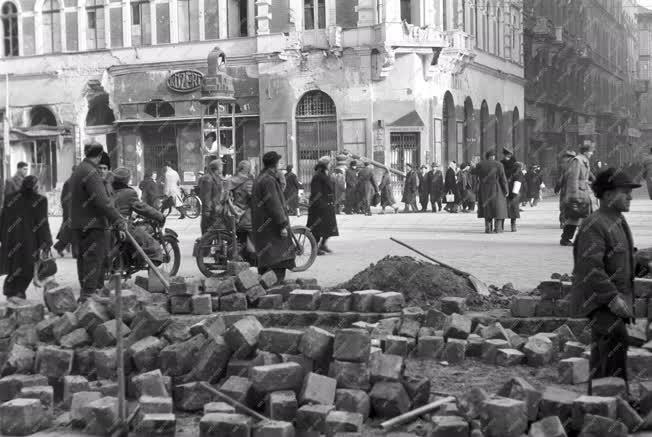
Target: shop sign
x: 185, y: 81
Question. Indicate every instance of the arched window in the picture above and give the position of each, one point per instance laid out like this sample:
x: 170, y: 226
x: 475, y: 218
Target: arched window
x: 42, y: 116
x: 9, y: 29
x: 99, y: 112
x: 95, y: 24
x: 51, y: 26
x: 159, y: 108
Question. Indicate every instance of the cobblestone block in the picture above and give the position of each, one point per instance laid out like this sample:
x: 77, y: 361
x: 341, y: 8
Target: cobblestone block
x: 550, y: 290
x: 643, y: 287
x: 336, y: 301
x: 151, y: 383
x: 11, y: 385
x: 305, y: 362
x: 418, y: 388
x: 270, y: 302
x: 610, y: 386
x: 353, y: 401
x: 593, y: 405
x: 177, y: 359
x: 219, y: 286
x: 268, y: 279
x: 218, y: 407
x: 548, y: 427
x: 210, y: 362
x: 246, y: 279
x: 76, y: 339
x: 573, y: 371
x: 490, y: 349
x: 640, y: 307
x: 409, y: 328
x: 73, y: 384
x: 225, y: 425
x: 238, y: 388
x: 90, y: 314
x: 21, y: 417
x: 453, y: 305
x: 545, y: 308
x: 538, y: 351
x: 556, y: 342
x: 25, y: 335
x: 18, y: 359
x: 304, y: 300
x: 276, y: 377
x: 389, y: 399
x: 474, y: 345
x: 565, y: 335
x: 352, y: 345
x: 395, y: 345
x: 430, y: 347
x: 60, y: 300
x: 280, y: 341
x: 504, y: 417
x: 343, y: 421
x: 54, y: 362
x: 521, y: 390
x: 281, y: 405
x: 454, y: 351
x: 181, y: 304
x: 318, y: 389
x: 193, y: 396
x: 457, y: 326
x: 155, y: 405
x: 598, y: 426
x: 385, y: 327
x: 509, y: 357
x: 628, y: 415
x: 233, y: 302
x: 435, y: 319
x: 350, y: 375
x: 271, y: 428
x: 103, y: 415
x: 26, y: 312
x: 79, y: 406
x: 317, y: 343
x: 449, y: 426
x: 524, y: 306
x: 63, y: 325
x: 385, y: 367
x: 472, y: 402
x: 104, y: 335
x: 388, y: 302
x: 562, y: 308
x: 159, y: 425
x: 234, y: 268
x: 178, y: 286
x: 211, y: 327
x: 254, y: 294
x: 43, y: 393
x: 573, y: 349
x: 201, y: 304
x: 313, y: 418
x: 242, y: 336
x: 558, y: 402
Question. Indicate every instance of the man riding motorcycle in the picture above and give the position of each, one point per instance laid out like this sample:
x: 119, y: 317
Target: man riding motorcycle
x: 238, y: 189
x: 127, y: 202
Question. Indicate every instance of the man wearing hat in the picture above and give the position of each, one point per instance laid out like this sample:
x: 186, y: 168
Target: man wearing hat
x: 603, y: 277
x: 577, y: 200
x: 509, y: 162
x: 564, y: 161
x: 423, y: 188
x: 291, y: 190
x: 410, y: 189
x: 92, y: 213
x: 351, y: 205
x: 127, y: 202
x: 367, y: 188
x: 211, y: 194
x: 339, y: 178
x: 274, y: 246
x: 435, y: 185
x: 492, y: 193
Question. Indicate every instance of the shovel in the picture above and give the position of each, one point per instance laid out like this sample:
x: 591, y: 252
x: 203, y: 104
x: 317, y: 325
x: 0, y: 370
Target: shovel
x: 479, y: 286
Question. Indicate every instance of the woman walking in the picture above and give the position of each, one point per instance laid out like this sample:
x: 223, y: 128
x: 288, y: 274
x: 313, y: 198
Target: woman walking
x: 514, y: 197
x: 291, y: 191
x: 321, y: 212
x: 386, y: 193
x: 25, y: 235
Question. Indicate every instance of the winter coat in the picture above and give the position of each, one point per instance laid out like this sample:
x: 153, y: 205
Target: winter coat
x: 321, y: 213
x: 510, y: 166
x: 386, y: 191
x: 423, y: 188
x: 66, y: 202
x: 435, y: 183
x: 291, y: 191
x: 91, y: 205
x: 241, y: 186
x: 604, y: 263
x: 533, y: 182
x: 211, y: 193
x: 411, y: 187
x: 339, y: 179
x: 171, y: 183
x: 24, y: 232
x: 126, y: 201
x: 367, y: 186
x: 450, y: 184
x: 269, y: 218
x: 514, y: 199
x: 492, y: 191
x: 351, y: 176
x: 577, y: 185
x: 466, y: 187
x: 150, y: 192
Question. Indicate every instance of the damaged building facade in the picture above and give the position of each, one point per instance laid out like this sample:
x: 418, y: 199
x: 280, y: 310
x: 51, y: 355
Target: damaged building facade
x: 401, y: 81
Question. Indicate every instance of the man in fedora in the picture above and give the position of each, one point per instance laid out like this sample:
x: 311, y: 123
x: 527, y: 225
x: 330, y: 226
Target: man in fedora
x: 603, y: 277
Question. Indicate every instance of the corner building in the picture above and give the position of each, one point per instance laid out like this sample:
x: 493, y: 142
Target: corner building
x: 401, y: 81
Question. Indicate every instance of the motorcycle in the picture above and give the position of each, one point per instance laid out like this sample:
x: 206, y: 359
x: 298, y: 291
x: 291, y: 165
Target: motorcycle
x: 124, y: 258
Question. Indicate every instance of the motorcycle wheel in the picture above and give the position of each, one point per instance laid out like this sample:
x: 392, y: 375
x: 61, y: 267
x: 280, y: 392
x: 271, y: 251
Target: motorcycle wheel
x: 213, y: 250
x: 306, y: 253
x: 172, y: 255
x: 192, y: 206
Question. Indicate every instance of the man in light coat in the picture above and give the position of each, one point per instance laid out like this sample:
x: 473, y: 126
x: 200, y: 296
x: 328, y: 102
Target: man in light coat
x: 172, y: 187
x: 577, y: 199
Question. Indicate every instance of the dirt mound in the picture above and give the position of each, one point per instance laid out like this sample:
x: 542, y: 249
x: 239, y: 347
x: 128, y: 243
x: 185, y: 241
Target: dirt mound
x: 422, y: 283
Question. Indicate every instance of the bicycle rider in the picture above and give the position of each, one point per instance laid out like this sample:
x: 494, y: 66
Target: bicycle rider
x: 172, y: 187
x: 239, y: 187
x: 211, y: 194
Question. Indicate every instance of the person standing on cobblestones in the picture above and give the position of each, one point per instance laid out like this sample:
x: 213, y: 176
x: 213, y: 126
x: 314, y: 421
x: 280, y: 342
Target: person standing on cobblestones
x: 603, y: 276
x: 423, y: 188
x: 435, y: 183
x: 492, y: 193
x: 577, y: 200
x: 351, y: 197
x: 560, y: 186
x: 410, y: 189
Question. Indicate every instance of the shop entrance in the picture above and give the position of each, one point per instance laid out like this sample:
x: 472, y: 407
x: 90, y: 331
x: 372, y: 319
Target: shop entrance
x: 316, y: 132
x: 159, y: 146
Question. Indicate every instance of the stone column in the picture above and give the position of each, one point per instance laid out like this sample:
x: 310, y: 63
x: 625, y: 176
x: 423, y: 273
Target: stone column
x: 296, y: 15
x: 223, y: 24
x: 366, y: 10
x: 264, y: 16
x: 251, y: 17
x: 126, y: 23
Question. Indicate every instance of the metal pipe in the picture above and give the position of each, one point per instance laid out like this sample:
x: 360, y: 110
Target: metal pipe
x: 233, y: 402
x: 410, y: 415
x: 117, y: 278
x: 149, y: 262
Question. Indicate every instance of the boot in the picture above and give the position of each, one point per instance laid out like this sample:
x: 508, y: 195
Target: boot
x: 487, y: 227
x: 513, y: 225
x: 499, y: 226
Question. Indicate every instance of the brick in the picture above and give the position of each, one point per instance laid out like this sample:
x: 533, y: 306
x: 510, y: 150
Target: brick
x: 548, y: 427
x: 90, y: 314
x: 79, y: 410
x: 150, y: 384
x: 395, y: 345
x: 519, y: 389
x: 524, y: 306
x: 26, y: 312
x: 160, y: 425
x: 457, y: 326
x: 550, y: 290
x: 449, y: 426
x: 609, y: 386
x: 318, y: 389
x: 350, y: 375
x: 593, y: 405
x: 409, y: 328
x: 281, y: 405
x: 54, y: 362
x: 387, y: 302
x: 270, y: 302
x: 384, y: 367
x: 238, y: 388
x: 192, y: 396
x: 104, y: 335
x: 246, y: 279
x: 103, y: 414
x: 430, y: 347
x: 233, y: 302
x: 352, y: 345
x: 242, y: 336
x: 218, y: 407
x: 336, y: 301
x: 389, y: 399
x: 271, y: 428
x: 177, y: 359
x: 490, y: 349
x: 598, y: 426
x: 155, y: 405
x: 11, y: 385
x: 343, y: 421
x: 145, y: 353
x: 643, y: 287
x: 504, y: 417
x: 201, y: 304
x: 434, y: 319
x: 22, y: 417
x: 353, y: 401
x: 60, y: 300
x: 418, y: 388
x: 573, y: 371
x: 452, y: 305
x: 225, y: 425
x: 538, y: 351
x: 628, y: 415
x: 275, y: 377
x: 181, y: 304
x: 317, y: 343
x: 304, y: 300
x: 43, y: 393
x: 509, y: 357
x: 454, y: 351
x: 268, y: 279
x: 210, y: 362
x: 279, y: 340
x: 313, y: 417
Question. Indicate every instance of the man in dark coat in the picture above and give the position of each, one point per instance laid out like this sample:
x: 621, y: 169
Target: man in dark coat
x: 435, y: 185
x: 533, y: 185
x: 321, y: 213
x: 291, y: 191
x: 492, y: 193
x: 211, y: 194
x: 423, y: 188
x: 64, y: 237
x: 351, y: 199
x: 274, y: 246
x: 367, y: 188
x: 603, y: 277
x: 150, y: 190
x: 410, y: 189
x: 13, y: 184
x: 92, y: 213
x: 451, y: 187
x: 509, y: 162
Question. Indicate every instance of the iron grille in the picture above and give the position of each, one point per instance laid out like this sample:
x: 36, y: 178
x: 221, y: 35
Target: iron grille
x: 315, y: 103
x: 404, y: 150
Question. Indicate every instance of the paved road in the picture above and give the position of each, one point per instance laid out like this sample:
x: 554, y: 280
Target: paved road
x: 523, y: 258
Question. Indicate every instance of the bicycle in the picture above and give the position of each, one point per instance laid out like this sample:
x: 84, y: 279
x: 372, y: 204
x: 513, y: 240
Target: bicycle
x: 219, y: 245
x: 190, y: 203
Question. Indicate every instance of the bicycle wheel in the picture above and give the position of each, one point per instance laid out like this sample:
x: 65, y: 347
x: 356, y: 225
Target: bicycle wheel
x: 306, y: 249
x: 166, y: 207
x: 192, y: 206
x: 213, y: 251
x: 171, y: 255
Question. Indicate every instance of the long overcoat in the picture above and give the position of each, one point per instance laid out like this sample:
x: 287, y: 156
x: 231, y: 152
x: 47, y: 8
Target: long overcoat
x: 514, y: 199
x: 492, y: 191
x: 411, y: 187
x: 91, y: 203
x: 367, y: 186
x: 351, y: 196
x: 291, y: 191
x: 65, y: 233
x: 240, y: 186
x: 451, y: 185
x: 435, y: 182
x: 577, y: 185
x: 534, y: 181
x: 269, y: 218
x: 386, y: 191
x: 211, y: 194
x: 321, y: 213
x: 24, y: 231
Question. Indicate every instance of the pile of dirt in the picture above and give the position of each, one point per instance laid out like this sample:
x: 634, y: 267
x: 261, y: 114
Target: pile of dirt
x: 422, y: 283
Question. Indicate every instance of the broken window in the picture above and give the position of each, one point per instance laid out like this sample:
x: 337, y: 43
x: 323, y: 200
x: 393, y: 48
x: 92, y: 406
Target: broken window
x: 95, y: 25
